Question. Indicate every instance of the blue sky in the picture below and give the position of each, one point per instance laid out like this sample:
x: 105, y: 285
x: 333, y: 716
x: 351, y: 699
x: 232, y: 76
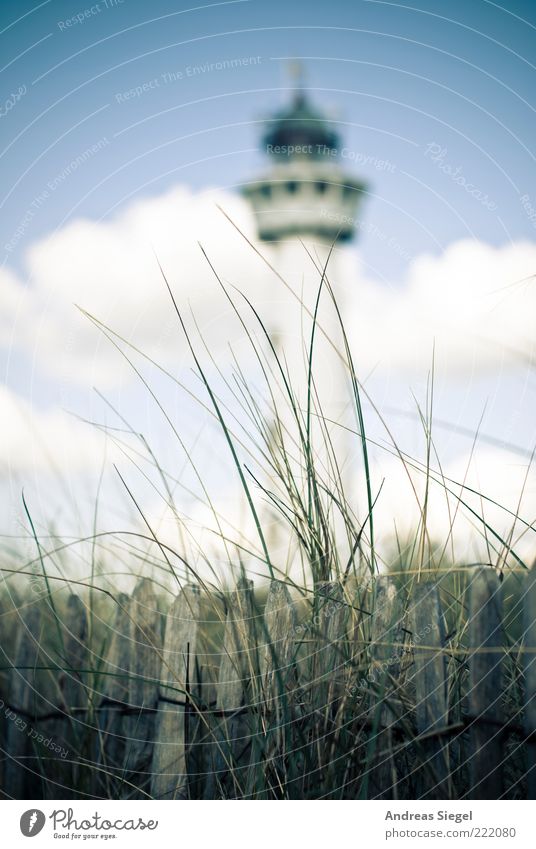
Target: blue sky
x: 397, y: 77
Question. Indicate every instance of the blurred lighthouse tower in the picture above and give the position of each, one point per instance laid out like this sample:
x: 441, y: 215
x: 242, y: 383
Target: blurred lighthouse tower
x: 306, y: 193
x: 305, y: 207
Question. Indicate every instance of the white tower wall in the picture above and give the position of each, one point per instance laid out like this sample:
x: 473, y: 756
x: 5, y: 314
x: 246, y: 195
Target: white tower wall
x: 305, y: 207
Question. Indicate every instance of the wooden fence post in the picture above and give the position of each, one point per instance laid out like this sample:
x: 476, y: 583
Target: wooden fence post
x: 72, y: 682
x: 9, y: 630
x: 387, y: 639
x: 330, y: 630
x: 278, y: 671
x: 485, y: 685
x: 529, y: 617
x: 430, y: 679
x: 19, y: 770
x: 327, y: 673
x: 170, y: 766
x: 277, y: 653
x: 237, y: 666
x: 145, y: 665
x: 110, y: 713
x: 63, y: 771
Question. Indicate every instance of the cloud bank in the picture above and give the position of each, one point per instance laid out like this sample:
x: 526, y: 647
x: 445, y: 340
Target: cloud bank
x: 475, y: 302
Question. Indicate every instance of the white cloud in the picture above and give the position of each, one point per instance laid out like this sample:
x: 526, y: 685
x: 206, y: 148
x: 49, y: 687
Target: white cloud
x: 469, y: 300
x: 35, y: 441
x: 498, y: 485
x: 110, y: 270
x: 475, y: 302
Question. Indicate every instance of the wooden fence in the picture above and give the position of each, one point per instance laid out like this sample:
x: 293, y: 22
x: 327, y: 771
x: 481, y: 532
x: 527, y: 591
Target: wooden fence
x: 359, y: 703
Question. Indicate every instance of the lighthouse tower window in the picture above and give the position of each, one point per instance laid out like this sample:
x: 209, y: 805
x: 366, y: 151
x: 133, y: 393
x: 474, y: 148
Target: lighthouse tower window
x: 321, y: 187
x: 292, y: 187
x: 266, y: 190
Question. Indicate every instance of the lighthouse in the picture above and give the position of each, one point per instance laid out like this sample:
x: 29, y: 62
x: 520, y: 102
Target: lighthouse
x: 305, y: 204
x: 305, y: 193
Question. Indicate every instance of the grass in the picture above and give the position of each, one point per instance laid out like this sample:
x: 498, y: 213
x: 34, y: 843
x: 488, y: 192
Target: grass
x: 336, y: 716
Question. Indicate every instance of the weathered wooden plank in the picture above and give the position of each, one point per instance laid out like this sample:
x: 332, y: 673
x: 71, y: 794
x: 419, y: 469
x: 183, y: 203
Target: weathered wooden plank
x: 9, y: 625
x: 111, y: 741
x: 485, y: 636
x: 430, y: 680
x: 231, y: 746
x: 169, y: 765
x: 387, y: 623
x: 529, y: 627
x: 236, y: 665
x: 329, y: 628
x: 279, y: 678
x: 73, y: 680
x: 145, y: 665
x: 277, y: 644
x: 68, y: 694
x: 387, y: 647
x: 23, y: 695
x: 325, y: 645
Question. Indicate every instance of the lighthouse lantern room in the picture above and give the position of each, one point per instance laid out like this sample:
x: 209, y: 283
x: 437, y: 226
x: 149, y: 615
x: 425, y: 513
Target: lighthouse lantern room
x: 306, y: 192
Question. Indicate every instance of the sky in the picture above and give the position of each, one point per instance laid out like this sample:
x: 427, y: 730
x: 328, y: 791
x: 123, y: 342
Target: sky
x: 397, y: 77
x: 126, y: 124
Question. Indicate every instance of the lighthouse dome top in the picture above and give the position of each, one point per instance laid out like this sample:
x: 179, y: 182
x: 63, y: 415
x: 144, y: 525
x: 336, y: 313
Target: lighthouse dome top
x: 300, y: 130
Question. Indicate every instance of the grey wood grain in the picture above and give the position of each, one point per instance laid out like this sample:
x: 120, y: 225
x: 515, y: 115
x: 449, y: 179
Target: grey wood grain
x: 169, y: 764
x: 232, y: 742
x: 145, y: 665
x: 485, y: 635
x: 24, y: 696
x: 430, y: 680
x: 114, y: 699
x: 387, y: 646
